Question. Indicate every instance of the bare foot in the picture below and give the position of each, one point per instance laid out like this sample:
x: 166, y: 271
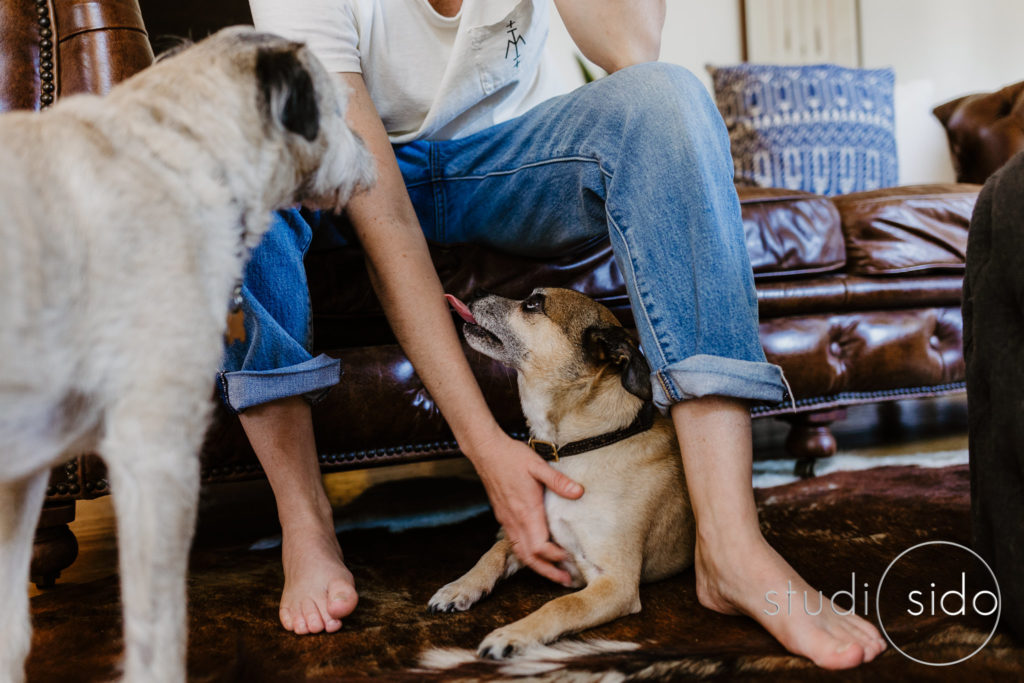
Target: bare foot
x: 319, y: 590
x: 734, y: 578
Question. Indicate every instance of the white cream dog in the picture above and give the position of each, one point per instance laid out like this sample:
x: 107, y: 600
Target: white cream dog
x: 124, y: 224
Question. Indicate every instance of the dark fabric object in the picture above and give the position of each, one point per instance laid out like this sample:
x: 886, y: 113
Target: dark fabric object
x: 993, y: 311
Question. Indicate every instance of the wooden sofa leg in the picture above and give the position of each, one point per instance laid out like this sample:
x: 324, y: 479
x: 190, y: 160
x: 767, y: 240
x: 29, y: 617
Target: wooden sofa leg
x: 810, y: 437
x: 55, y: 546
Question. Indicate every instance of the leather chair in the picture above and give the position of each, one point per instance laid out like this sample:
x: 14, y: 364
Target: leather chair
x: 859, y: 296
x: 984, y: 131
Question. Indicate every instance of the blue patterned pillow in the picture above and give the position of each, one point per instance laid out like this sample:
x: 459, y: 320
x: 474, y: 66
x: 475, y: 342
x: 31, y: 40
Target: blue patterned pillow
x: 824, y: 129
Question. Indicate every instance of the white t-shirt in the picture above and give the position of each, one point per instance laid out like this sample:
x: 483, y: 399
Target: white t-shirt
x: 430, y: 77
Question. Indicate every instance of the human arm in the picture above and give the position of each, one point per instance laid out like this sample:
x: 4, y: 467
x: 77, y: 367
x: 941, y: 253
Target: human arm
x: 411, y: 294
x: 615, y: 34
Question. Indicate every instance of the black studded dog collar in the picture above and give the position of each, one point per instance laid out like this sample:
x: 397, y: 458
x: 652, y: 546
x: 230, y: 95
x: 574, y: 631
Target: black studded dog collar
x: 552, y: 452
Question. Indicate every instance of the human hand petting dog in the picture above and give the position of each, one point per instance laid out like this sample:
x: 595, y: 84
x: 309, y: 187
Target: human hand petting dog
x: 515, y: 478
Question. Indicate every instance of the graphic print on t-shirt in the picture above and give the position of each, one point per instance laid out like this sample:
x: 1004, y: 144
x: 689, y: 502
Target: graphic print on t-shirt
x: 513, y: 42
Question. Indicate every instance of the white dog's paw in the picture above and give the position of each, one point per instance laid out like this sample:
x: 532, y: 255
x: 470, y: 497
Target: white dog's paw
x: 457, y: 596
x: 503, y: 643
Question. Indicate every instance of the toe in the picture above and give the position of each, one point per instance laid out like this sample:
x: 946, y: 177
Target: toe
x: 300, y: 628
x: 844, y: 656
x: 868, y: 637
x: 314, y: 621
x: 286, y: 618
x: 332, y: 625
x: 874, y: 645
x: 341, y: 599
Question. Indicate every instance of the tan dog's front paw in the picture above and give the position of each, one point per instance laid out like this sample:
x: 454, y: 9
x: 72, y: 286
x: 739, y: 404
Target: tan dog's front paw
x: 504, y: 642
x: 457, y: 596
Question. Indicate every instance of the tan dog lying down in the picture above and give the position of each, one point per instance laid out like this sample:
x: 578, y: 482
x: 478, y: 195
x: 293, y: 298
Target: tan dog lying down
x: 584, y: 386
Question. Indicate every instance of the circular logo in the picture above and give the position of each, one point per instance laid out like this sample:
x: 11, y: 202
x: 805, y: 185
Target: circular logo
x: 925, y: 590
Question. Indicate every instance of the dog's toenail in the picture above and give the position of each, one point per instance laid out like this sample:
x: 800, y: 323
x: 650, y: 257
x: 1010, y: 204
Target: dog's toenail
x: 508, y: 651
x: 486, y: 653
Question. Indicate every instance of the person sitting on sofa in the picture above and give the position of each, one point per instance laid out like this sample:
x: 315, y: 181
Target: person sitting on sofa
x: 473, y: 143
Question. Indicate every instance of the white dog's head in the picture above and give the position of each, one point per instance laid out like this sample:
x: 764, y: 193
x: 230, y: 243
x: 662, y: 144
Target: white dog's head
x: 318, y: 161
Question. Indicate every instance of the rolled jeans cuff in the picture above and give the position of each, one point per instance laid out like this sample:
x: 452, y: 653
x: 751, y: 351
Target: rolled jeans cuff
x: 310, y: 379
x: 705, y: 375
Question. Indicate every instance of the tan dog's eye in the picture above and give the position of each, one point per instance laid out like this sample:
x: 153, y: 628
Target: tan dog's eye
x: 534, y: 303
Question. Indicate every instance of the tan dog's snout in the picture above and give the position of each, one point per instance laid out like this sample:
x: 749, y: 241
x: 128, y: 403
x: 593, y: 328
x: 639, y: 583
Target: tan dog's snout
x: 556, y: 333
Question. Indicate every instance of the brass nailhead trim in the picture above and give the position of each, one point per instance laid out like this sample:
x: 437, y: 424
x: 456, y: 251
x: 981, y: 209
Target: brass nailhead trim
x: 46, y: 72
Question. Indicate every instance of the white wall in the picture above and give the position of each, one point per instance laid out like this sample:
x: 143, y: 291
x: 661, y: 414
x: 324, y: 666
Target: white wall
x: 701, y: 32
x: 961, y: 46
x: 697, y: 33
x: 939, y: 49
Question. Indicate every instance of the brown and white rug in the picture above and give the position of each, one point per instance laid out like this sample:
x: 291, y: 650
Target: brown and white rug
x: 832, y: 528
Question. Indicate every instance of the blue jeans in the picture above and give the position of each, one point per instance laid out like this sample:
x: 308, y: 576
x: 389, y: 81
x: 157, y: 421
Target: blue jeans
x: 641, y: 156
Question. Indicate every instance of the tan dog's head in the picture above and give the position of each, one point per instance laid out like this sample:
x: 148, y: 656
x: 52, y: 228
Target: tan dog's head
x: 559, y: 337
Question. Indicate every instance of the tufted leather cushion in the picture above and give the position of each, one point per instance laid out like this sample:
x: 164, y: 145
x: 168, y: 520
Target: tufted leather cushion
x: 907, y: 229
x: 984, y: 131
x: 828, y: 354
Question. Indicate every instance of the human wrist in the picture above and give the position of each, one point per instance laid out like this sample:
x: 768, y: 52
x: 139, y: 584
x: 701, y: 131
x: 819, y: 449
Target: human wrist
x: 478, y: 441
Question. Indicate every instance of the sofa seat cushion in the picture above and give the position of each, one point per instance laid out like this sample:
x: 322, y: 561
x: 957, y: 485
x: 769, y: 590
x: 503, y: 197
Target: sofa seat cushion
x: 789, y: 232
x: 907, y: 229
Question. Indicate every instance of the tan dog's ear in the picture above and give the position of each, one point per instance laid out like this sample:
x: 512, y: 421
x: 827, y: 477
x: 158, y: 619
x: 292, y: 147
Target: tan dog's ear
x: 613, y: 345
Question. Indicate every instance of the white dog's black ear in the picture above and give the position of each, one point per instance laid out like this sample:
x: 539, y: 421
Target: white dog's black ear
x: 614, y: 345
x: 286, y: 90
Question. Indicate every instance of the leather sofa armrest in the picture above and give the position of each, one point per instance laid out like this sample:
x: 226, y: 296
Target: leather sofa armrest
x: 100, y: 43
x: 984, y: 131
x: 55, y: 48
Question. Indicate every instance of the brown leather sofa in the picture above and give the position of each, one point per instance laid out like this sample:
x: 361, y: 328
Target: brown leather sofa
x: 984, y: 129
x: 859, y: 296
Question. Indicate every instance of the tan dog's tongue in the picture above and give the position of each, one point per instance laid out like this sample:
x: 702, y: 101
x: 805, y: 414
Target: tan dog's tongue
x: 461, y: 308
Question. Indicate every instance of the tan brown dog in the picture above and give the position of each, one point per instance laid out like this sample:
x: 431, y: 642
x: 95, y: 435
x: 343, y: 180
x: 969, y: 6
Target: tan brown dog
x: 584, y: 386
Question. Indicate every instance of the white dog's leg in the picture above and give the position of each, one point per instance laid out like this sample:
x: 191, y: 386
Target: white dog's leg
x: 154, y: 475
x: 20, y: 503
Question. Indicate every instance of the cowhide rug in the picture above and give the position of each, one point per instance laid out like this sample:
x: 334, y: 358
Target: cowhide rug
x: 830, y: 528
